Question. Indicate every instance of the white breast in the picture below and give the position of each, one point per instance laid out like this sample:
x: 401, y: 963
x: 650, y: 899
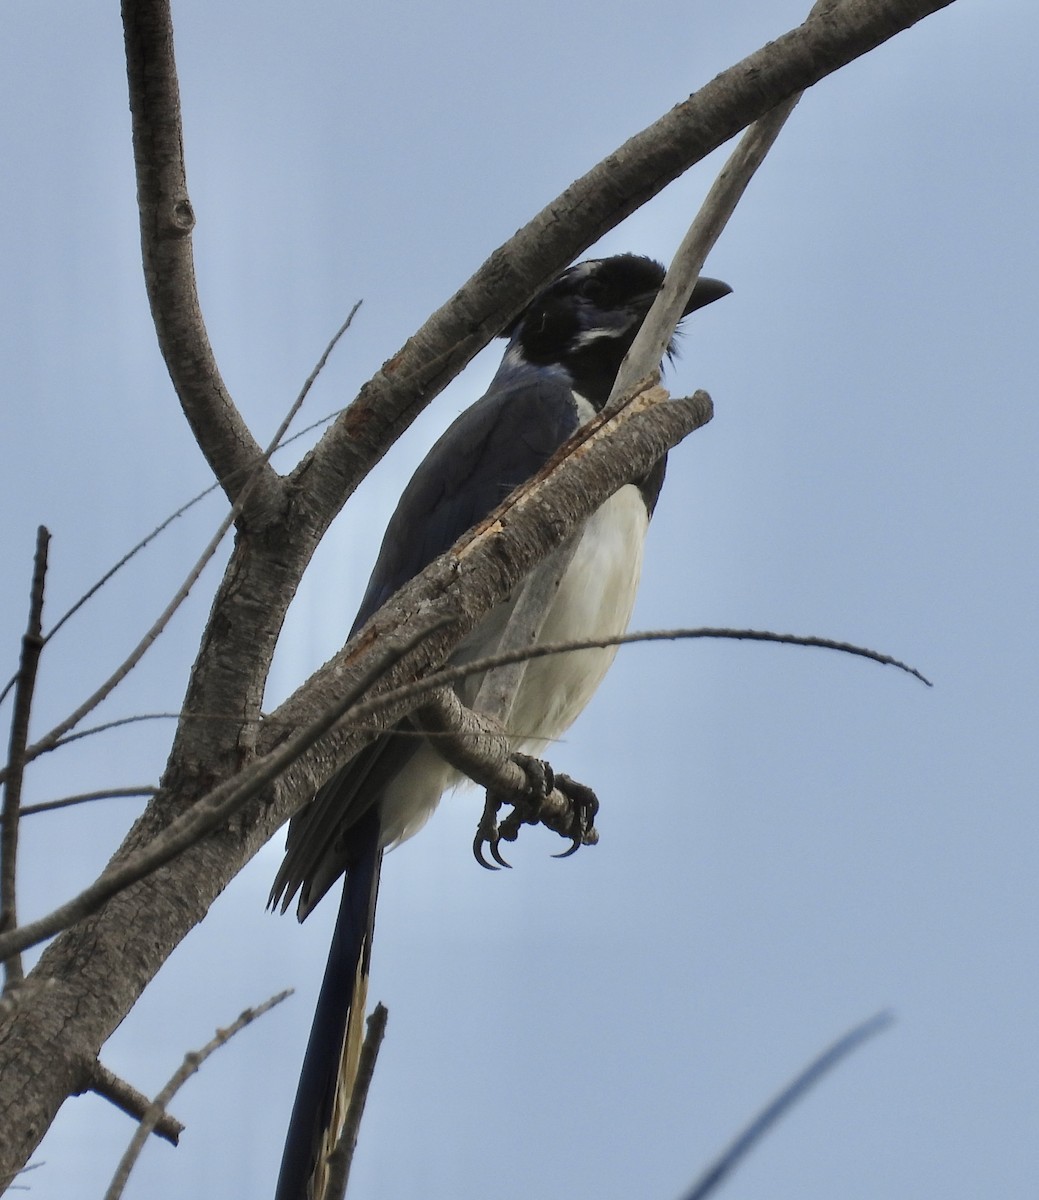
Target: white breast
x: 595, y: 598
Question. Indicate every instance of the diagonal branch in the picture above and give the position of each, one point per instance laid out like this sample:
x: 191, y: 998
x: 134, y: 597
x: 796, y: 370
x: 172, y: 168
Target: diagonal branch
x: 831, y: 37
x: 105, y: 1083
x: 746, y: 1139
x: 193, y: 1060
x: 655, y: 335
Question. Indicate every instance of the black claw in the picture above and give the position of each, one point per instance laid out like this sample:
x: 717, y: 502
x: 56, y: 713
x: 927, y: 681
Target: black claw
x: 526, y: 810
x: 478, y: 844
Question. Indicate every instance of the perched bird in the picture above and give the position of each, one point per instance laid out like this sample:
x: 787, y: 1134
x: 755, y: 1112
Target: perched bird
x: 562, y: 359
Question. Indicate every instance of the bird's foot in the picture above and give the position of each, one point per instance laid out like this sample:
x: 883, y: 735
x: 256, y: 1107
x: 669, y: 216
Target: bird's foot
x: 556, y: 801
x: 584, y: 806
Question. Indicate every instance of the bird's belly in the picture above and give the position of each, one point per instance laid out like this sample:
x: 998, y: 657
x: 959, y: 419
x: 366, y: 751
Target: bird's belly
x: 595, y: 599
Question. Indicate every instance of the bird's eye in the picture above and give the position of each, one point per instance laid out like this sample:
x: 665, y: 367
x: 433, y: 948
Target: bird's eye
x: 592, y: 289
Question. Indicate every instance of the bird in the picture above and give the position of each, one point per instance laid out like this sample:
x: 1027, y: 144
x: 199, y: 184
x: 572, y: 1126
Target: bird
x: 563, y: 354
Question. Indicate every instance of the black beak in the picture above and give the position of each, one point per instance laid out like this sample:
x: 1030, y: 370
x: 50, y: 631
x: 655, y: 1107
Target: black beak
x: 706, y: 292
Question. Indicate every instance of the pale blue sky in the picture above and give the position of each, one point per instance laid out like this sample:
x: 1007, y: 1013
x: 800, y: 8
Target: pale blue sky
x: 791, y: 840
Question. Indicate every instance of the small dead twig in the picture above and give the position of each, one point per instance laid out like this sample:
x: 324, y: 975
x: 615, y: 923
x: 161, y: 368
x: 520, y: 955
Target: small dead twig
x: 341, y: 1158
x: 55, y: 735
x: 163, y: 525
x: 192, y: 1062
x: 32, y: 644
x: 86, y: 798
x: 128, y: 1099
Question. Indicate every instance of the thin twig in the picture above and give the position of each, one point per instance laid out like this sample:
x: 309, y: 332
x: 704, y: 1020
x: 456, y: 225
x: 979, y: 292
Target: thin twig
x: 211, y: 810
x: 130, y: 554
x: 163, y: 525
x: 32, y: 644
x: 341, y: 1158
x: 29, y: 810
x: 6, y: 1184
x: 55, y: 735
x: 192, y: 1062
x: 128, y: 1099
x: 137, y: 718
x: 51, y: 738
x: 451, y: 675
x: 319, y: 366
x: 502, y: 658
x: 740, y: 1147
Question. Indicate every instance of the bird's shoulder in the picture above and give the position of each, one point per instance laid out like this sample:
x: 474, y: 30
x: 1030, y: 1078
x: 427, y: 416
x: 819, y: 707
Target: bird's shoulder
x: 490, y: 449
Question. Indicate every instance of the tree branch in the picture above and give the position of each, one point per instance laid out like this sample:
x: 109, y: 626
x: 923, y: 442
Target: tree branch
x: 129, y: 1100
x: 214, y: 809
x: 167, y: 220
x: 341, y: 1158
x: 156, y: 1110
x: 32, y: 644
x: 744, y: 1142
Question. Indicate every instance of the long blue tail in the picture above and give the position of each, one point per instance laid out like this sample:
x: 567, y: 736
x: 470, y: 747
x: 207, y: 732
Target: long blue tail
x: 330, y: 1063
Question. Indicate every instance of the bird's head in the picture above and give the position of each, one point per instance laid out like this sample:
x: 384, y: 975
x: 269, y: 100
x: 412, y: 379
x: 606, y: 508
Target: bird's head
x: 586, y: 320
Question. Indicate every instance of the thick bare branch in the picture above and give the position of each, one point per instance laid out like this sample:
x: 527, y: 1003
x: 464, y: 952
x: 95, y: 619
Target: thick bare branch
x: 167, y: 220
x: 342, y: 1157
x: 485, y: 564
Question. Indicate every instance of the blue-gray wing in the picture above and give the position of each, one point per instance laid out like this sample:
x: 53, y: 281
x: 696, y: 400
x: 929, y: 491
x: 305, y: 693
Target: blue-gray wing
x: 493, y: 447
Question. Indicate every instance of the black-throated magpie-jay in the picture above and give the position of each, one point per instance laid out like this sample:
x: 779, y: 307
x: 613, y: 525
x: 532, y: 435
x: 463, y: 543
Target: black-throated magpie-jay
x: 564, y: 352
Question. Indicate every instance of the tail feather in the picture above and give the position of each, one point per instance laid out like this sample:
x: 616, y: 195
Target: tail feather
x: 330, y: 1063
